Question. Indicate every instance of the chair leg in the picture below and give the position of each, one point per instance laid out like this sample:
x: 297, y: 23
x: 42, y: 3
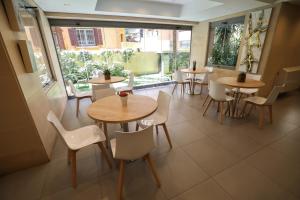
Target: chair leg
x: 69, y: 156
x: 250, y: 110
x: 137, y: 127
x: 175, y: 86
x: 243, y: 109
x: 261, y: 117
x: 221, y: 115
x: 201, y: 87
x: 167, y: 134
x: 73, y: 166
x: 205, y: 100
x: 183, y: 85
x: 77, y: 106
x: 156, y: 127
x: 105, y: 133
x: 211, y: 100
x: 121, y: 179
x: 152, y: 168
x: 270, y: 113
x: 104, y: 152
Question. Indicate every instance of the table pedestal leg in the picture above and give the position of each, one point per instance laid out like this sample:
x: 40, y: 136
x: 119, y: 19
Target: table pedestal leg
x: 235, y: 102
x: 125, y: 127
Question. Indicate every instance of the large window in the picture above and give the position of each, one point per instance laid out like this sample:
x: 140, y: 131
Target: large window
x: 224, y: 42
x: 33, y: 34
x: 85, y: 37
x: 151, y: 53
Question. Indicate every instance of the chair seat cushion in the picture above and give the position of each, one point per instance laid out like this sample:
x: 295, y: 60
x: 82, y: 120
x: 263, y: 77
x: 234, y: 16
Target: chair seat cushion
x: 124, y: 89
x: 154, y: 119
x: 256, y: 100
x: 246, y: 90
x: 84, y: 94
x: 84, y: 136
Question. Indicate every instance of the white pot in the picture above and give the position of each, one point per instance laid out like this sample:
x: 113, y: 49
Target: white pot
x: 124, y: 101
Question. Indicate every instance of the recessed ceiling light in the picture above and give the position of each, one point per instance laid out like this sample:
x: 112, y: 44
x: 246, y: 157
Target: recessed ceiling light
x: 67, y: 4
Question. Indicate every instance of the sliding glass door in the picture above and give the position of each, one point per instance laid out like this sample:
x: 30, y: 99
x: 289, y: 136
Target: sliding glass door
x: 151, y: 54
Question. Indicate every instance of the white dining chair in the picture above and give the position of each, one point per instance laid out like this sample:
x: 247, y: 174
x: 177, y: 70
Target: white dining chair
x: 79, y: 95
x: 178, y: 78
x: 129, y: 87
x: 217, y: 94
x: 105, y: 92
x: 78, y: 139
x: 96, y: 87
x: 131, y: 146
x: 159, y: 117
x: 202, y: 82
x: 262, y: 102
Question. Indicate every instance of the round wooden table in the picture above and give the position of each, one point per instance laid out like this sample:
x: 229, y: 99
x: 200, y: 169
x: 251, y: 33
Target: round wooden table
x: 199, y: 70
x: 101, y: 80
x: 232, y: 82
x: 110, y: 110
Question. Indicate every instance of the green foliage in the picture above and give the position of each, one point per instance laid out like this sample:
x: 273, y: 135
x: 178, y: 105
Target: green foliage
x: 127, y: 54
x: 226, y: 44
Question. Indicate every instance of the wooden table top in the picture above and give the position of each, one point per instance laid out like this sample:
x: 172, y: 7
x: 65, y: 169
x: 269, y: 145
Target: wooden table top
x: 249, y: 83
x: 199, y: 70
x: 113, y: 79
x: 110, y: 109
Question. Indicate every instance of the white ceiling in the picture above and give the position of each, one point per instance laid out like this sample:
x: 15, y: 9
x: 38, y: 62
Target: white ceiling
x: 194, y: 10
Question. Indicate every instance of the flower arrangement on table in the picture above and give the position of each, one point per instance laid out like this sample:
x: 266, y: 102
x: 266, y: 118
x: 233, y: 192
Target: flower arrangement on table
x: 123, y: 96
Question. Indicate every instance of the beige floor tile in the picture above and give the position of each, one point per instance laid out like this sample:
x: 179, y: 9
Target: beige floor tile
x: 209, y: 190
x: 210, y: 156
x: 247, y: 183
x: 23, y: 185
x: 279, y: 168
x: 184, y: 133
x: 91, y: 190
x: 178, y: 172
x: 237, y: 142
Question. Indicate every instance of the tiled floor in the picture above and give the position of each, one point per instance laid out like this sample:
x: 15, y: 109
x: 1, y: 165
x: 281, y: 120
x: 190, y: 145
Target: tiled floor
x: 209, y: 161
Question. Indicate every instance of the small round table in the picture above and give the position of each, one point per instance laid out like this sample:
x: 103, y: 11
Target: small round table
x: 232, y: 82
x: 198, y: 70
x: 101, y: 80
x: 110, y: 110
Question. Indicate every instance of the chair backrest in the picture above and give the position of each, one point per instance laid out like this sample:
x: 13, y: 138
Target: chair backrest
x: 273, y: 94
x: 163, y: 102
x: 134, y: 145
x: 101, y: 93
x: 254, y: 76
x: 205, y: 78
x: 96, y: 87
x: 73, y: 89
x: 100, y: 74
x: 178, y: 76
x: 51, y: 117
x: 216, y: 90
x: 131, y: 80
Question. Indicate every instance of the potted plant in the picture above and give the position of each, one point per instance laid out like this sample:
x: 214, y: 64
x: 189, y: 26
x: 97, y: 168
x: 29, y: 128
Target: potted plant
x: 106, y: 74
x: 123, y: 96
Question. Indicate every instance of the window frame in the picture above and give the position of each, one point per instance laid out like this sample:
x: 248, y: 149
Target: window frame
x: 34, y: 12
x: 83, y: 32
x: 230, y: 20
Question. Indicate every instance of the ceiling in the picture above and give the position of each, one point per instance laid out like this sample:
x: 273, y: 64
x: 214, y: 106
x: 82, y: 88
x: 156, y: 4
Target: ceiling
x: 193, y: 10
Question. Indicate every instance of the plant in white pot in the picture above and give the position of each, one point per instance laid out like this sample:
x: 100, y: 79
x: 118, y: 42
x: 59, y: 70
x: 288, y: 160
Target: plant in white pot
x: 106, y: 74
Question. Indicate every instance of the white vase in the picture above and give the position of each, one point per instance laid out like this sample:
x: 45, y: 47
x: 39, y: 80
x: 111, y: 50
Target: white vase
x: 124, y: 101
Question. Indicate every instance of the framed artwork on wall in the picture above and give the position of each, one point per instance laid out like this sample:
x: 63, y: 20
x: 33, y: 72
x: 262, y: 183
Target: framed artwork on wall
x: 12, y: 9
x: 27, y: 56
x: 257, y: 26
